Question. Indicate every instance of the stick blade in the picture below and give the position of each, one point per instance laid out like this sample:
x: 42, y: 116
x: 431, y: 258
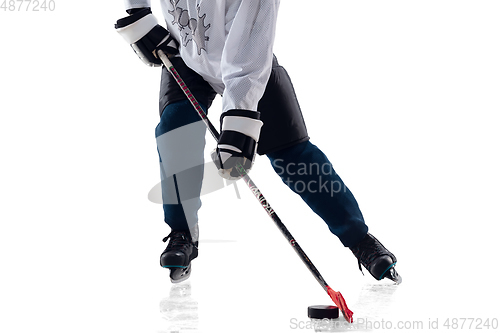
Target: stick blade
x: 339, y: 301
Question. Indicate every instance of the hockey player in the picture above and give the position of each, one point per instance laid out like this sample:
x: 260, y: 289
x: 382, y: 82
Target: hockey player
x: 226, y: 47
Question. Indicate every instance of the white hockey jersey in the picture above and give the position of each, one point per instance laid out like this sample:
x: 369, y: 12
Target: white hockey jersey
x: 228, y: 42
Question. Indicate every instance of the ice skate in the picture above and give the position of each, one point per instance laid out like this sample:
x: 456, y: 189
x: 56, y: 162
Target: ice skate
x: 376, y: 259
x: 177, y: 257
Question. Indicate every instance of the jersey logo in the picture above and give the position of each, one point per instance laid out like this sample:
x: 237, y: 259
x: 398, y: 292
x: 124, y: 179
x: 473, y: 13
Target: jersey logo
x: 191, y: 29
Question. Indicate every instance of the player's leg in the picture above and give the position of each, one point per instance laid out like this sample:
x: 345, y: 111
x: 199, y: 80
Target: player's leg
x: 180, y: 137
x: 180, y: 142
x: 306, y: 170
x: 285, y: 140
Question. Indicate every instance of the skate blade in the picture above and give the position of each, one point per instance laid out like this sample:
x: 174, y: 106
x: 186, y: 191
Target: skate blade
x: 180, y: 274
x: 393, y: 275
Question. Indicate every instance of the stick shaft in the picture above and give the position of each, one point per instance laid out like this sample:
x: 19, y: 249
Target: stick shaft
x: 251, y: 185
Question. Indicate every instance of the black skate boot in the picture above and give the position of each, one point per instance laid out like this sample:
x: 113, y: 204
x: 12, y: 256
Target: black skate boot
x: 178, y: 255
x: 376, y: 259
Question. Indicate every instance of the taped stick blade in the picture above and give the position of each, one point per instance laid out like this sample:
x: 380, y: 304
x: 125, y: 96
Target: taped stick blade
x: 339, y: 301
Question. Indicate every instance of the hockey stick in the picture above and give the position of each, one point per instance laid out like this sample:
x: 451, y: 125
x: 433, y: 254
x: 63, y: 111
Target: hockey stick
x: 336, y: 296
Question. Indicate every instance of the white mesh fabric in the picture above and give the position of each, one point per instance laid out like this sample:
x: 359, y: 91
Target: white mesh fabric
x: 229, y: 43
x: 136, y: 4
x: 247, y: 55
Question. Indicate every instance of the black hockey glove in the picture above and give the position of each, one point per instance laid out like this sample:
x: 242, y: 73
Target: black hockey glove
x: 142, y: 31
x: 240, y: 131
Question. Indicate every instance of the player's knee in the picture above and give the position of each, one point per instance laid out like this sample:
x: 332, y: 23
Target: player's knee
x: 176, y: 115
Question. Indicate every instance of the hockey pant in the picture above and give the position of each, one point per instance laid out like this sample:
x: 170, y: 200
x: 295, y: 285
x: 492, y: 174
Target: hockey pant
x: 302, y: 166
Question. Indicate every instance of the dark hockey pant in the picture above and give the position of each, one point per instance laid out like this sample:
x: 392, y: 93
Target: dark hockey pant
x: 301, y: 165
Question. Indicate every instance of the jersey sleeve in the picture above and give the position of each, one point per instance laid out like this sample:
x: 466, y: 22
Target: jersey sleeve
x: 129, y: 4
x: 247, y: 56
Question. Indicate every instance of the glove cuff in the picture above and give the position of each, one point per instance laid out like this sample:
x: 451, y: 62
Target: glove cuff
x: 241, y: 113
x: 236, y: 144
x: 242, y: 121
x: 138, y: 26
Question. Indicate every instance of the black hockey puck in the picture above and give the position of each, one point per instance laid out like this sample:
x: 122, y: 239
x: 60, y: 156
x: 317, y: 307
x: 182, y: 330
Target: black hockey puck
x: 323, y: 312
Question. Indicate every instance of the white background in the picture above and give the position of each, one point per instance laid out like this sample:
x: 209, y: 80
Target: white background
x: 403, y: 96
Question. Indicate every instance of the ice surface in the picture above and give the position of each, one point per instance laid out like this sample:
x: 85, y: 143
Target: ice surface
x: 180, y: 309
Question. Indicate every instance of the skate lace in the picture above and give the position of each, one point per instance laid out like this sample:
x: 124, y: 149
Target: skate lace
x: 178, y: 239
